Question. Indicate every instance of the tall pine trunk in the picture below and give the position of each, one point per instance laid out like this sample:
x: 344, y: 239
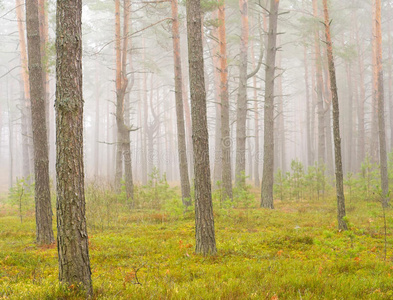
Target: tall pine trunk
x: 342, y: 225
x: 270, y: 68
x: 241, y: 114
x: 181, y: 133
x: 381, y: 106
x: 72, y: 239
x: 204, y: 220
x: 43, y: 207
x: 226, y: 140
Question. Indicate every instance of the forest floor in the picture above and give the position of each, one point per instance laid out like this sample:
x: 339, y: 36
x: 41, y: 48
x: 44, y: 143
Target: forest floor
x: 292, y: 252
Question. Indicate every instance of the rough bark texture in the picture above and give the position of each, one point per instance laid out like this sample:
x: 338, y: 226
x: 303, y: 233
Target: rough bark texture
x: 226, y: 140
x: 72, y: 239
x: 241, y: 114
x: 268, y: 155
x: 43, y: 207
x: 204, y: 221
x: 381, y: 108
x: 181, y: 133
x: 342, y: 225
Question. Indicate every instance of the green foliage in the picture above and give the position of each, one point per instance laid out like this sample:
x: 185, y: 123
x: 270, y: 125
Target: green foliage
x: 297, y: 184
x: 242, y: 195
x: 156, y: 193
x: 274, y: 254
x: 22, y: 196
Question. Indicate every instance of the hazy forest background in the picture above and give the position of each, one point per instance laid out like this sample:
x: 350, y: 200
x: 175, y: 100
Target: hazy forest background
x: 296, y: 220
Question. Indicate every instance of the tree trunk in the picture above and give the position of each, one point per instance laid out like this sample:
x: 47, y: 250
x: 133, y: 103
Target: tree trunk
x: 25, y: 92
x: 268, y: 155
x: 217, y: 134
x: 204, y: 220
x: 119, y: 100
x: 72, y: 239
x: 181, y: 133
x: 241, y: 114
x: 43, y: 207
x: 381, y: 107
x: 319, y: 88
x: 309, y: 116
x: 342, y: 225
x: 257, y: 181
x: 97, y: 122
x: 226, y: 140
x: 362, y: 98
x: 374, y: 113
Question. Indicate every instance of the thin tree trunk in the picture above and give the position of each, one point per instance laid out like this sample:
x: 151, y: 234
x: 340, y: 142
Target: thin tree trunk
x: 25, y: 92
x: 72, y: 239
x: 204, y: 220
x: 241, y: 114
x: 268, y: 155
x: 43, y: 207
x: 362, y: 98
x: 226, y: 140
x: 119, y: 100
x: 217, y: 134
x: 181, y: 133
x: 342, y: 225
x: 97, y: 123
x: 309, y: 116
x: 319, y: 87
x: 257, y: 181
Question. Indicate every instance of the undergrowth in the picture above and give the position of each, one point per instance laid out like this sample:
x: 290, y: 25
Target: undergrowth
x: 292, y: 252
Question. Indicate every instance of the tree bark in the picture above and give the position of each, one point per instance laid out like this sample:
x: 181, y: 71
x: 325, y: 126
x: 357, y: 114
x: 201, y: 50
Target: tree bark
x: 72, y: 239
x: 204, y: 220
x: 268, y: 155
x: 342, y: 225
x: 241, y: 114
x: 43, y: 206
x: 226, y: 140
x: 181, y: 133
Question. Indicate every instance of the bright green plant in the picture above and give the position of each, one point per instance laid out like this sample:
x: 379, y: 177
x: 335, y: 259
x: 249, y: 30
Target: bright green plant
x: 21, y: 195
x: 155, y: 194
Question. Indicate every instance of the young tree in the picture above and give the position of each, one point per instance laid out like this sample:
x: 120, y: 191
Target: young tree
x: 181, y: 133
x: 72, y: 239
x: 342, y: 225
x: 204, y: 220
x: 43, y: 206
x: 270, y: 68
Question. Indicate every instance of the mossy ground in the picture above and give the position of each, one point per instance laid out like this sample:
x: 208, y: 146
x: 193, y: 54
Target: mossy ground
x: 292, y: 252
